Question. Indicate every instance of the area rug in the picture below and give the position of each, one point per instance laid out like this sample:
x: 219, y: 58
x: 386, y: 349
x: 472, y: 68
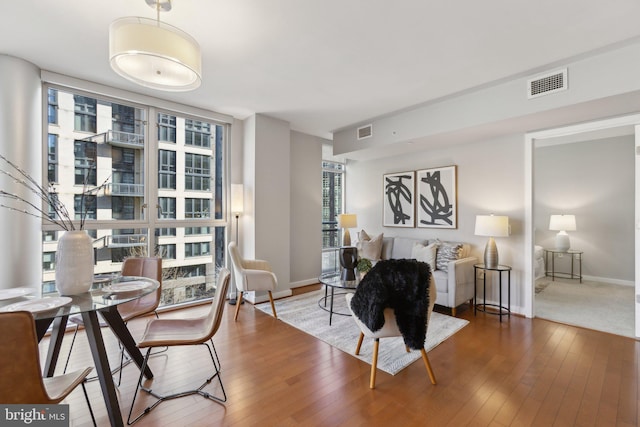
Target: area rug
x: 303, y: 312
x: 594, y: 305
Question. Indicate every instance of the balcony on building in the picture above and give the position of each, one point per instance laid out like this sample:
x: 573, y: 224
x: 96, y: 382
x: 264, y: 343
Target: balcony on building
x: 119, y: 138
x: 124, y: 189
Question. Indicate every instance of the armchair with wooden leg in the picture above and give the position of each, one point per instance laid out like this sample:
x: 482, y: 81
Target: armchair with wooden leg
x: 251, y: 275
x: 403, y: 307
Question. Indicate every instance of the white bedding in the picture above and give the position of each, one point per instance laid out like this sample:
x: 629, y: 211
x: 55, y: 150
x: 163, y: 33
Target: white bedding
x: 538, y: 262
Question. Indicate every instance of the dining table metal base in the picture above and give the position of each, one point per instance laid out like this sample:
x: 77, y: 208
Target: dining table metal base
x: 98, y: 351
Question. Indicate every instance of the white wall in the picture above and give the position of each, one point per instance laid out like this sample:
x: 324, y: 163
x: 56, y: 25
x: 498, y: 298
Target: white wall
x: 490, y: 180
x: 602, y: 85
x: 594, y: 180
x: 266, y: 178
x: 306, y: 208
x: 21, y: 143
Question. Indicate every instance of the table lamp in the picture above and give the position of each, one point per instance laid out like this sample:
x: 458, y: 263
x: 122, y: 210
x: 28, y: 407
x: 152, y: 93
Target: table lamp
x: 347, y: 221
x: 562, y: 224
x: 491, y: 226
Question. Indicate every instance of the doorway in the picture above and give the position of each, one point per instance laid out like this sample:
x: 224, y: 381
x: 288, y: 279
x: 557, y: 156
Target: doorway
x: 562, y: 141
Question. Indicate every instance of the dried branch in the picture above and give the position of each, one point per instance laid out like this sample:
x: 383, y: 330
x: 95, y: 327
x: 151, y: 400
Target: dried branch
x: 48, y: 196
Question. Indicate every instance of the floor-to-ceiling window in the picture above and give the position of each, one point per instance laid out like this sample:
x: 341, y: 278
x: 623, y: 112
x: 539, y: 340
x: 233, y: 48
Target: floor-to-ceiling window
x: 145, y: 181
x: 332, y: 205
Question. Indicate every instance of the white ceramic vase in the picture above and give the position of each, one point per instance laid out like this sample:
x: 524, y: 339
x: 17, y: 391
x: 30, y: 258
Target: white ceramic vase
x: 74, y: 263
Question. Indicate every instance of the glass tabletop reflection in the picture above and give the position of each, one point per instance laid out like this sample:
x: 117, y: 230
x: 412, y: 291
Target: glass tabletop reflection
x: 105, y: 292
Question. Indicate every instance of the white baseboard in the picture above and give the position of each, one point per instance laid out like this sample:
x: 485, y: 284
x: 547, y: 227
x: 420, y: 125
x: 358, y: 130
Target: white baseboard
x: 609, y: 280
x: 302, y: 283
x: 263, y: 296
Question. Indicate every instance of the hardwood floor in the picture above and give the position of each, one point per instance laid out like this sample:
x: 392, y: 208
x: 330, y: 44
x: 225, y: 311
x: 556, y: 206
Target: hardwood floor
x: 522, y: 372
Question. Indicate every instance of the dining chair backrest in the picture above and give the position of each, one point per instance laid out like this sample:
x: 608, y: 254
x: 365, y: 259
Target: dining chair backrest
x: 214, y: 318
x: 150, y: 267
x: 20, y: 377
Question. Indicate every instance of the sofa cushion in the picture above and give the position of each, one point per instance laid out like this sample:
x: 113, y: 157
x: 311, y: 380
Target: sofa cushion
x: 447, y: 252
x: 369, y: 247
x: 403, y: 247
x: 425, y: 253
x: 387, y: 248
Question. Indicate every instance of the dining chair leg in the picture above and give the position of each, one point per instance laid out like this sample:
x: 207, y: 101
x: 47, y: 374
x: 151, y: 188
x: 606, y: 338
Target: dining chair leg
x: 273, y: 307
x: 238, y: 304
x: 359, y: 343
x: 374, y: 363
x: 73, y: 340
x: 86, y: 396
x: 425, y: 358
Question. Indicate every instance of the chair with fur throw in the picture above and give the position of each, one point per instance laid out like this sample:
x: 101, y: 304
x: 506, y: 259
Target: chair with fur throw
x: 394, y: 299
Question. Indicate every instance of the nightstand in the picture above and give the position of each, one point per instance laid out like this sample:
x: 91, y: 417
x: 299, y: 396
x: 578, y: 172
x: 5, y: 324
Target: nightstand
x: 575, y: 256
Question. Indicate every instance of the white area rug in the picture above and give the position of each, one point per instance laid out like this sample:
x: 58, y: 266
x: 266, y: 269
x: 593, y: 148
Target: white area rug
x: 594, y: 305
x: 302, y: 312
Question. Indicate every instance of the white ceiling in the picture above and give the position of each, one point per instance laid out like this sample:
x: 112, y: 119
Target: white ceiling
x: 325, y: 65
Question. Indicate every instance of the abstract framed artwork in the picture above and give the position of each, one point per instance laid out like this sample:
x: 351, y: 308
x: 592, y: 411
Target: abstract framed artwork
x: 398, y: 199
x: 437, y: 198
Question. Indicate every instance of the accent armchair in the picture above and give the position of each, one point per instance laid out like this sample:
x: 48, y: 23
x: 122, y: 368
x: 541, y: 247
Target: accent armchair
x: 400, y: 275
x: 252, y: 275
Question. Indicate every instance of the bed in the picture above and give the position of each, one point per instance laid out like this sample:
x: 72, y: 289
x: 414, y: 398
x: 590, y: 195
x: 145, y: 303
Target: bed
x: 538, y: 262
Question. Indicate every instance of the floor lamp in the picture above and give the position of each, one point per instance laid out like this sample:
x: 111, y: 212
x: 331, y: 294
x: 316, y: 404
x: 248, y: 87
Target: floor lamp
x: 237, y: 206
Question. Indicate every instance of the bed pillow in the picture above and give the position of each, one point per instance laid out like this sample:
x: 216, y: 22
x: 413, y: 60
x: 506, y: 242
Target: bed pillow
x: 369, y: 247
x: 425, y: 253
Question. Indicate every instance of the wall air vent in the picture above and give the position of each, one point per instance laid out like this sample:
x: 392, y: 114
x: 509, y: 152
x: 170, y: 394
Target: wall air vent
x: 365, y: 132
x: 547, y: 83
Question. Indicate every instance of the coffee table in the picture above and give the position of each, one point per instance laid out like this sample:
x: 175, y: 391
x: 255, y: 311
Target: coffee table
x: 332, y: 281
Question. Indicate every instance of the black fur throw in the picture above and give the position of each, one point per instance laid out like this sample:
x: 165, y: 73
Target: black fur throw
x: 402, y: 285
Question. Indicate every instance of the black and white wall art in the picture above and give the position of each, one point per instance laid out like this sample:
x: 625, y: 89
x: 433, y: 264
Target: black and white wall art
x: 398, y: 199
x: 437, y: 205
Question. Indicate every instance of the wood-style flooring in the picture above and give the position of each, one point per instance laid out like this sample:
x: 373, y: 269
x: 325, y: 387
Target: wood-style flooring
x: 521, y: 372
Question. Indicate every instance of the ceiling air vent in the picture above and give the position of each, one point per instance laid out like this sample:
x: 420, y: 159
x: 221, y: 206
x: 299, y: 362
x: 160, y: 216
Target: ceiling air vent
x: 547, y: 83
x: 365, y: 132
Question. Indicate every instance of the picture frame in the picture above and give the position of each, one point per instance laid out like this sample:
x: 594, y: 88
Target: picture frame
x: 437, y: 204
x: 398, y: 194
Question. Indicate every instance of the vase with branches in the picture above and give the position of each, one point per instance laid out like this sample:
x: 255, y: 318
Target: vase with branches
x: 74, y: 255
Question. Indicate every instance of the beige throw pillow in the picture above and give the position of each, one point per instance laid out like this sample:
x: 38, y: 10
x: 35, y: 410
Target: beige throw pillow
x: 424, y: 253
x: 368, y: 247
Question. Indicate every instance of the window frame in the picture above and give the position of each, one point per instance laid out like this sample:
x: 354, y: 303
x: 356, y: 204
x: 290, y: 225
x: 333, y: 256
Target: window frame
x: 219, y: 224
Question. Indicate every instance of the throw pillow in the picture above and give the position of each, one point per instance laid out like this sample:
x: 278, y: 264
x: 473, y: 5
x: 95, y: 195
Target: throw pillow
x: 426, y: 254
x: 447, y: 252
x: 368, y: 247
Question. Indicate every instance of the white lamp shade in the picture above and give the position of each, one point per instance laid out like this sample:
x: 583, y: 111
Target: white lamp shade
x: 153, y: 54
x: 492, y: 225
x: 237, y: 198
x: 562, y: 223
x: 347, y: 220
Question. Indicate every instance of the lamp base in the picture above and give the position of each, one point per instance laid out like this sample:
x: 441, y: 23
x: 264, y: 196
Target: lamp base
x: 346, y: 239
x: 491, y: 254
x: 562, y: 241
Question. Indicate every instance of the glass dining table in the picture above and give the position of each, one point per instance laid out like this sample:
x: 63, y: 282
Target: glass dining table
x: 54, y: 310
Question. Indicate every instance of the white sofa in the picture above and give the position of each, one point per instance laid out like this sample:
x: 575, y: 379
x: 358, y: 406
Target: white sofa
x: 455, y: 286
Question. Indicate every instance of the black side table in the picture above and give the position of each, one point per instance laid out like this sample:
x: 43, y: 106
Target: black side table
x: 499, y: 309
